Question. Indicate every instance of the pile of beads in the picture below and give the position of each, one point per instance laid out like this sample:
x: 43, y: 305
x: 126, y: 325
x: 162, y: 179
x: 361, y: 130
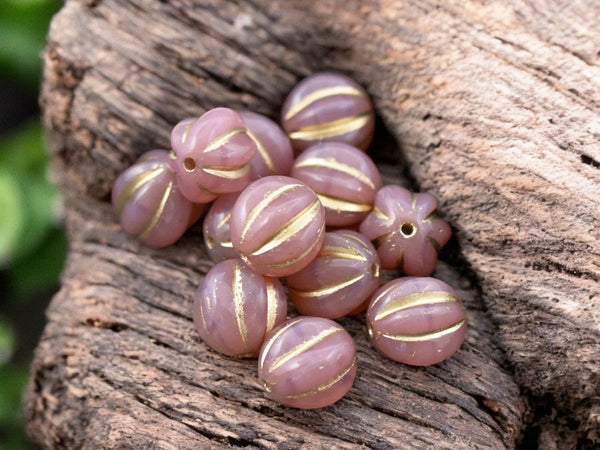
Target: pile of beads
x: 277, y: 197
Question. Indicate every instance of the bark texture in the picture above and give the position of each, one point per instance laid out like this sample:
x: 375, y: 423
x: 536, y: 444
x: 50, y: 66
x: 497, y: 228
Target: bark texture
x: 493, y: 106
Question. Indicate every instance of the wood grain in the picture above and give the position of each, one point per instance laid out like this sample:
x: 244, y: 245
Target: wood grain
x: 493, y: 106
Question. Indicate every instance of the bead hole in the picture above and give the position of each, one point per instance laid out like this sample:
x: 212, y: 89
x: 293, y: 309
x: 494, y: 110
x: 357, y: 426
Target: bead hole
x: 189, y: 164
x: 408, y: 229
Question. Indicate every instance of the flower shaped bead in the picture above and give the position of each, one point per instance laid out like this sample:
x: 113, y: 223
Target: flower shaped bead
x: 405, y: 230
x: 213, y: 155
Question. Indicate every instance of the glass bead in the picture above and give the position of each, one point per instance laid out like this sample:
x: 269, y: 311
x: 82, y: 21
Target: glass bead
x: 416, y: 320
x: 339, y: 280
x: 307, y: 362
x: 217, y: 236
x: 235, y: 308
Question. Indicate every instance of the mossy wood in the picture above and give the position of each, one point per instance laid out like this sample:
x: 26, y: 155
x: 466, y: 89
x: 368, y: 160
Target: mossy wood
x: 493, y: 106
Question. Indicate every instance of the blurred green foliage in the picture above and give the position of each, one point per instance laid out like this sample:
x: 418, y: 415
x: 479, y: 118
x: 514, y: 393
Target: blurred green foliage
x: 32, y: 242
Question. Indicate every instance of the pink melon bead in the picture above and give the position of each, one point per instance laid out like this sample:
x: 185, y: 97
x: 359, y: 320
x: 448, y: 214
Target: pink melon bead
x: 406, y: 230
x: 339, y: 280
x: 277, y: 225
x: 307, y: 362
x: 416, y: 320
x: 345, y: 179
x: 235, y: 308
x: 148, y: 202
x: 275, y: 155
x: 217, y: 237
x: 328, y: 107
x: 212, y: 155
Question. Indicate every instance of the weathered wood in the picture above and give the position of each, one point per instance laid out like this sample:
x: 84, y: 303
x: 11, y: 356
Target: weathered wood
x: 494, y: 107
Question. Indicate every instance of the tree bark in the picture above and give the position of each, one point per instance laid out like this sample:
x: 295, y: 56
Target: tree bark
x: 493, y: 106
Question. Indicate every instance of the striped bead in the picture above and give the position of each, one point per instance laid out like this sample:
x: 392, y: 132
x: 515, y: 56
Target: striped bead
x: 328, y: 107
x: 277, y: 225
x: 235, y: 308
x: 339, y: 280
x: 345, y: 179
x: 307, y: 362
x: 416, y: 321
x: 406, y: 230
x: 149, y: 205
x: 275, y: 155
x: 217, y: 237
x: 212, y: 155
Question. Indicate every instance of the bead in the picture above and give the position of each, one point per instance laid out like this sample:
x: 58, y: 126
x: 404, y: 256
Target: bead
x: 217, y: 237
x: 417, y: 321
x: 307, y: 362
x: 328, y: 107
x: 345, y: 179
x: 275, y: 155
x: 339, y: 280
x: 212, y: 155
x: 405, y: 230
x: 235, y: 308
x: 277, y: 225
x: 149, y: 205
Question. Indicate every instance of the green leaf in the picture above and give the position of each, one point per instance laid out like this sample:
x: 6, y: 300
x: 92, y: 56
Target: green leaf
x: 12, y: 217
x: 7, y: 341
x: 13, y: 383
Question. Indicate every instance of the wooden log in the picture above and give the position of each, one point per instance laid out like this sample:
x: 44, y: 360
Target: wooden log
x: 491, y: 105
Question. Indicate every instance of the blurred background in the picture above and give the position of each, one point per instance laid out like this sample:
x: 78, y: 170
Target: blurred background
x: 32, y: 240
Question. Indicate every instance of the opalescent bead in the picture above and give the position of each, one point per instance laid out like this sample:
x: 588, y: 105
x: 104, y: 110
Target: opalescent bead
x: 235, y: 308
x: 275, y: 155
x: 417, y: 321
x: 149, y: 205
x: 328, y: 107
x: 213, y: 155
x: 406, y: 230
x: 345, y: 179
x: 277, y: 225
x: 307, y: 362
x: 217, y: 236
x: 339, y: 280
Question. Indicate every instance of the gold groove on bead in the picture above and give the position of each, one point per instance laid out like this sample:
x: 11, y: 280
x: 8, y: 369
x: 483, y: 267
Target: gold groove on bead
x: 136, y: 183
x: 334, y: 164
x: 330, y: 129
x: 226, y: 244
x: 424, y: 336
x: 299, y: 257
x: 158, y: 213
x: 269, y: 342
x: 337, y: 204
x: 203, y: 189
x: 328, y: 384
x: 224, y: 220
x: 379, y: 213
x: 431, y: 216
x: 300, y: 348
x: 294, y: 226
x: 231, y: 173
x: 319, y: 95
x: 327, y: 290
x: 187, y: 129
x: 262, y: 151
x: 341, y: 252
x: 413, y: 200
x: 375, y: 300
x: 435, y: 244
x: 260, y: 207
x: 271, y: 304
x: 238, y: 297
x: 414, y: 300
x: 224, y: 139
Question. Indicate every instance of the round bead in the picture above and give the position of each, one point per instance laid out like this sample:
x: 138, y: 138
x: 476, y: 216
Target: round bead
x: 217, y: 237
x: 307, y: 362
x: 275, y: 155
x: 405, y: 230
x: 213, y: 155
x: 328, y: 107
x: 417, y: 321
x: 339, y: 280
x: 277, y: 225
x: 146, y: 198
x: 235, y: 308
x: 345, y: 179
